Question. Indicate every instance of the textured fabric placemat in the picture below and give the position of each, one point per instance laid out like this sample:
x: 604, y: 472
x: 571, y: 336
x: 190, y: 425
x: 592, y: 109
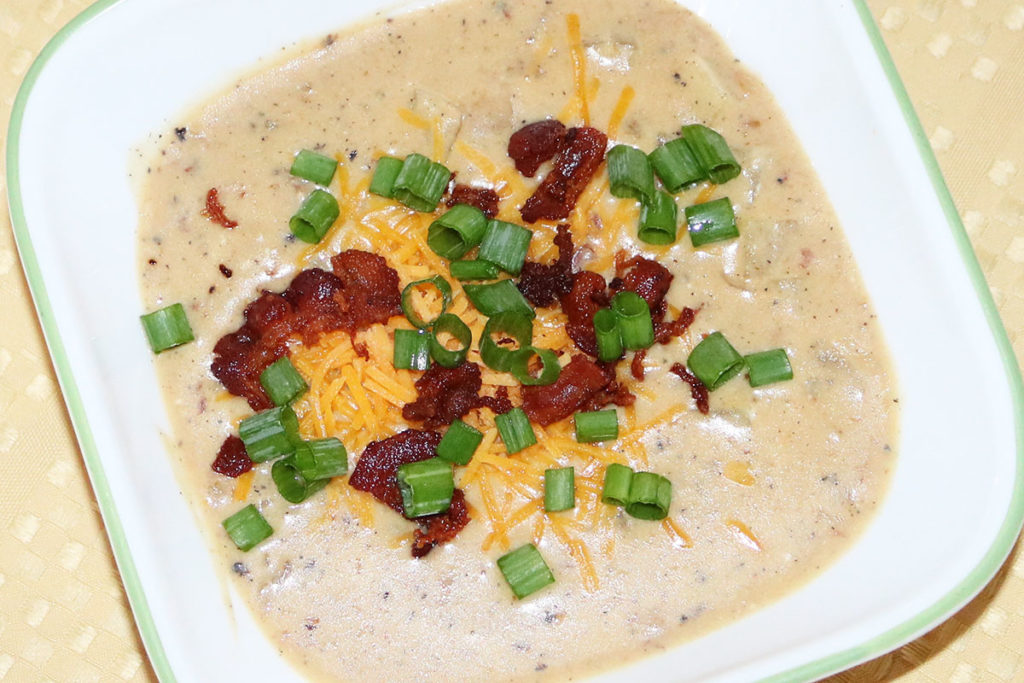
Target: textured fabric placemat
x: 63, y: 613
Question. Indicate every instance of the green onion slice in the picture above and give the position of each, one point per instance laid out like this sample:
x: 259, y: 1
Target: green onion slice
x: 629, y: 173
x: 505, y: 245
x: 676, y: 165
x: 525, y: 570
x: 167, y: 327
x: 450, y: 324
x: 658, y: 217
x: 320, y: 459
x: 768, y: 367
x: 520, y: 366
x: 282, y: 382
x: 314, y: 167
x: 290, y: 482
x: 247, y: 528
x: 649, y: 496
x: 315, y: 217
x: 420, y: 183
x: 515, y: 430
x: 456, y: 231
x: 474, y: 270
x: 459, y: 443
x: 412, y: 350
x: 559, y: 489
x: 498, y: 297
x: 516, y: 326
x: 598, y: 425
x: 712, y: 152
x: 712, y: 221
x: 609, y: 339
x: 270, y: 434
x: 634, y: 320
x: 383, y: 182
x: 441, y: 285
x: 426, y: 487
x: 714, y: 361
x: 617, y: 479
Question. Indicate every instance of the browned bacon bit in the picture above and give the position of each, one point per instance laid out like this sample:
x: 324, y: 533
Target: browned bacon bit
x: 541, y: 284
x: 575, y: 165
x: 499, y: 403
x: 666, y: 332
x: 437, y: 529
x: 535, y: 143
x: 588, y: 295
x: 697, y: 388
x: 578, y: 383
x: 444, y: 394
x: 377, y: 466
x: 647, y: 278
x: 483, y: 198
x: 215, y: 210
x: 232, y: 460
x: 636, y: 368
x: 370, y: 294
x: 615, y: 392
x: 317, y: 300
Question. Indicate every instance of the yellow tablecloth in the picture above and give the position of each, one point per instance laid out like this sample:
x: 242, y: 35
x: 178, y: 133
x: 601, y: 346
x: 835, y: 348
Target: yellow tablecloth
x: 63, y: 613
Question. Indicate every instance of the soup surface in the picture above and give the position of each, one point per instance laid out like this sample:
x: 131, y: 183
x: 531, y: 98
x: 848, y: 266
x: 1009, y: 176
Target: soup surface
x: 768, y: 487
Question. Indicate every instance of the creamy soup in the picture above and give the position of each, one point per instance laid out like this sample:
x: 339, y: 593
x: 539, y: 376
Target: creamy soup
x: 768, y: 488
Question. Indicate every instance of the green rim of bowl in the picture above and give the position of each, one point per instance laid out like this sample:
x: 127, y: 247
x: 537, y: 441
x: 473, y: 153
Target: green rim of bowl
x: 885, y: 642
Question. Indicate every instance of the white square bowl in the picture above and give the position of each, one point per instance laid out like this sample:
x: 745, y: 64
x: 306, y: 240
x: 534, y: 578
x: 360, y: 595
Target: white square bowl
x: 125, y: 67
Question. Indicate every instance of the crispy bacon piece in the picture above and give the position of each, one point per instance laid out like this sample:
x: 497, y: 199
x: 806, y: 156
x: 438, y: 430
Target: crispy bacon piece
x: 543, y: 284
x: 316, y: 298
x: 232, y: 460
x: 483, y: 198
x: 636, y: 368
x: 645, y: 277
x: 499, y: 403
x: 615, y: 392
x: 371, y: 293
x: 588, y: 295
x: 214, y: 210
x: 576, y: 163
x: 446, y: 394
x: 580, y: 381
x: 665, y: 332
x: 437, y: 529
x: 535, y: 143
x: 240, y: 357
x: 697, y: 388
x: 375, y: 471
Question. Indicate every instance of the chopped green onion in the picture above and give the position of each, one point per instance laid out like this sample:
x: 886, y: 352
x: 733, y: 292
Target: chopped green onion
x: 649, y: 496
x: 516, y: 326
x: 515, y: 430
x: 426, y: 487
x: 270, y: 434
x: 420, y: 183
x: 167, y: 328
x: 505, y: 245
x: 712, y: 221
x: 714, y: 361
x: 314, y: 167
x: 712, y: 152
x: 634, y: 319
x: 474, y: 270
x: 442, y: 355
x: 443, y: 288
x: 658, y: 218
x: 768, y: 367
x: 676, y: 165
x: 498, y: 297
x: 383, y: 183
x: 629, y: 173
x: 282, y: 382
x: 559, y: 489
x: 412, y: 350
x: 459, y: 443
x: 609, y: 339
x: 617, y: 479
x: 598, y: 425
x: 247, y: 528
x: 315, y: 217
x: 520, y: 366
x: 320, y: 459
x: 525, y: 570
x: 456, y: 231
x: 290, y: 483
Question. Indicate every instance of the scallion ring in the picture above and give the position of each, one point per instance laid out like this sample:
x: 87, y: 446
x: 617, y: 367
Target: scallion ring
x: 452, y: 325
x: 520, y: 366
x: 441, y: 285
x: 515, y: 326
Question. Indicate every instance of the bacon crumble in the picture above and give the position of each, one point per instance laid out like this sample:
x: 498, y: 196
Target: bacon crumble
x: 698, y: 391
x: 581, y: 384
x: 232, y: 459
x: 578, y: 160
x: 535, y: 143
x: 483, y: 198
x: 541, y: 284
x: 446, y: 394
x: 588, y: 295
x: 214, y: 210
